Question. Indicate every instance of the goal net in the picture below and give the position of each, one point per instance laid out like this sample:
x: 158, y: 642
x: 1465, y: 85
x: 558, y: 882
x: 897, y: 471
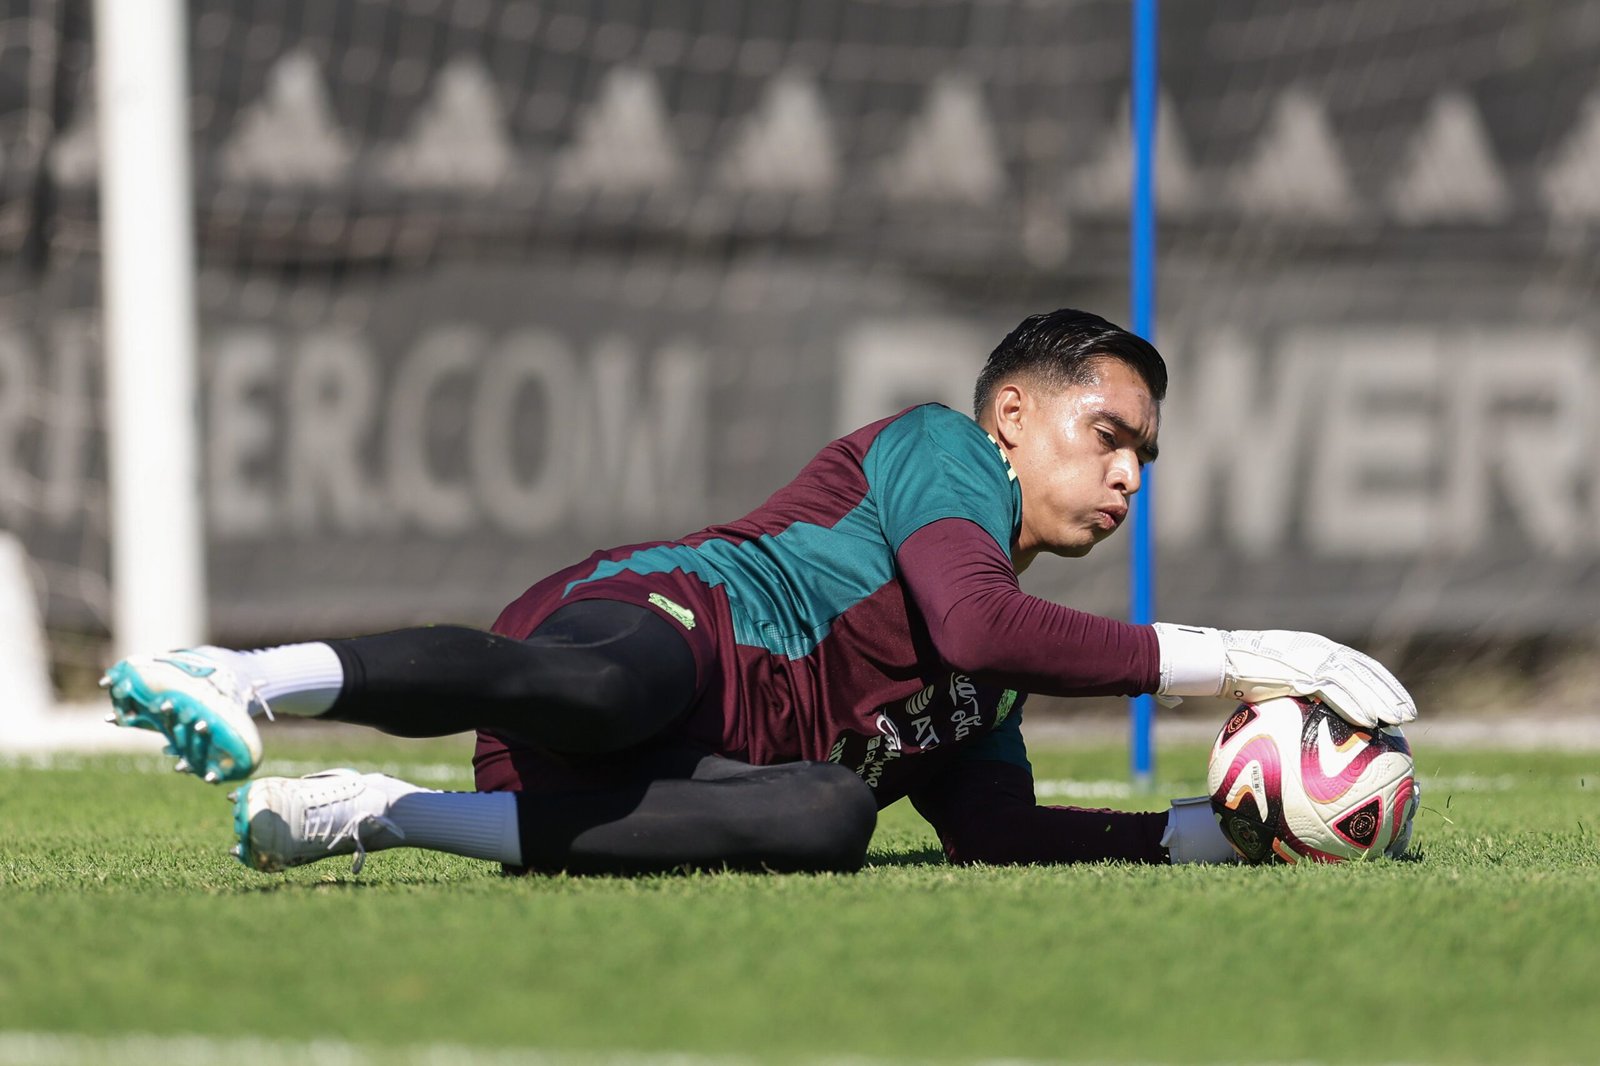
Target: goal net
x: 485, y: 284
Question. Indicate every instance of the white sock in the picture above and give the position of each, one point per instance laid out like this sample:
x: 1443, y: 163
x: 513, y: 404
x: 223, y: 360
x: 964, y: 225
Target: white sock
x: 298, y: 679
x: 479, y: 825
x: 1194, y: 835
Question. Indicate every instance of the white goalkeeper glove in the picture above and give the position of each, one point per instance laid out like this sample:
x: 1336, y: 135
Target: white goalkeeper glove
x: 1253, y: 665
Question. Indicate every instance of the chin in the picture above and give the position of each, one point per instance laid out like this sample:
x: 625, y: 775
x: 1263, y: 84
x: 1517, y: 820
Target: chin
x: 1082, y: 548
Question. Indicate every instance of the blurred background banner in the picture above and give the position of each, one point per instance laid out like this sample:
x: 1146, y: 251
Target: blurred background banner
x: 486, y: 284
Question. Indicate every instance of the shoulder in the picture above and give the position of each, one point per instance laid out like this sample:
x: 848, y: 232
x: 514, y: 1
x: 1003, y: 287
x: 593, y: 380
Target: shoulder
x: 934, y: 421
x: 930, y: 463
x: 934, y: 433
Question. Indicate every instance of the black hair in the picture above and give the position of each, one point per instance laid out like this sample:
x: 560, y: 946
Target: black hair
x: 1060, y: 348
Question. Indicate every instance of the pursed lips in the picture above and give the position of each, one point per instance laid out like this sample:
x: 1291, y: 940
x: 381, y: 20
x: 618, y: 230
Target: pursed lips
x: 1112, y: 516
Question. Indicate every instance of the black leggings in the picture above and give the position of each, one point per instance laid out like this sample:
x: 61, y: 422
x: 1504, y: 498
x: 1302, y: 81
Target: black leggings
x: 689, y: 810
x: 596, y: 676
x: 603, y: 679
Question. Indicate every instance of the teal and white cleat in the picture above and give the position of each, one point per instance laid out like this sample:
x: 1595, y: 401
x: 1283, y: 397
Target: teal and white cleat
x: 290, y: 821
x: 199, y: 705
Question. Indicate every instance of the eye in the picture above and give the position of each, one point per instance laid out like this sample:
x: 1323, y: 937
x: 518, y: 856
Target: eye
x: 1108, y: 438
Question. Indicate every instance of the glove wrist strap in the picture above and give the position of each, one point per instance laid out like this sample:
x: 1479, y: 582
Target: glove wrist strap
x: 1193, y: 835
x: 1193, y: 660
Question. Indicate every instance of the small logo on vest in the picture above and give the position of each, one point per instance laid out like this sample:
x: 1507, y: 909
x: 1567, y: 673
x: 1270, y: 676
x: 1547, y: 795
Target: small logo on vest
x: 684, y: 616
x: 1008, y: 699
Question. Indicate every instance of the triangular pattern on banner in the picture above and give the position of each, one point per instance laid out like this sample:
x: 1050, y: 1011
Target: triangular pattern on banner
x: 623, y: 141
x: 1105, y: 186
x: 1046, y: 232
x: 1297, y: 168
x: 1450, y: 173
x: 459, y: 137
x: 289, y: 136
x: 786, y: 144
x: 1571, y: 183
x: 950, y: 152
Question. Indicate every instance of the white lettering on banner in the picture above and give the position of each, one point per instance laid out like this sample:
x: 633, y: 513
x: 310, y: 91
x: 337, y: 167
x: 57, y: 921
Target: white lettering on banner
x: 1385, y: 442
x: 524, y: 501
x: 1237, y: 426
x: 243, y: 367
x: 1355, y: 442
x: 1526, y: 419
x: 1370, y: 492
x: 331, y: 407
x: 522, y: 434
x: 647, y: 448
x: 886, y: 366
x: 434, y: 504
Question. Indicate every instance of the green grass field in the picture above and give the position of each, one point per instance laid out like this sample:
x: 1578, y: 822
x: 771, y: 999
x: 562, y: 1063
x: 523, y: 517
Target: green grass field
x: 121, y: 913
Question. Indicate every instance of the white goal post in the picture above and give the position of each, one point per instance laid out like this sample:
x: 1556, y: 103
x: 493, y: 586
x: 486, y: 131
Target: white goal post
x: 157, y: 542
x: 148, y: 270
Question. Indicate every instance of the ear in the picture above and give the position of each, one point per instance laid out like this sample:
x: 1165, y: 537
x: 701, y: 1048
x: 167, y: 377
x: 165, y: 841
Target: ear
x: 1009, y: 406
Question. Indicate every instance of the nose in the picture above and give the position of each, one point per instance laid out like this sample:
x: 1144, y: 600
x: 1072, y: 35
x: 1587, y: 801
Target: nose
x: 1125, y: 476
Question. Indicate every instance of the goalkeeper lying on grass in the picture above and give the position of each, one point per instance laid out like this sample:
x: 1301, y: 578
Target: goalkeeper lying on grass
x: 750, y: 695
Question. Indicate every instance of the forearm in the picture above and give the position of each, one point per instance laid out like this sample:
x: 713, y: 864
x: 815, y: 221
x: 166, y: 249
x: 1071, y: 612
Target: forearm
x: 985, y: 812
x: 983, y: 623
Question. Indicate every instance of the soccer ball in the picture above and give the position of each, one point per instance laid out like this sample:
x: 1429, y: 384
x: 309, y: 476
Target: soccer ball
x: 1290, y: 781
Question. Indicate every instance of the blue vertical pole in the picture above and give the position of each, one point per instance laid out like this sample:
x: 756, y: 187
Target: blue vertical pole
x: 1142, y: 286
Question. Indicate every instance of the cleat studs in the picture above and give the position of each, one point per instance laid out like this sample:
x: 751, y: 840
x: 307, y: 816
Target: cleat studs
x: 112, y: 718
x: 238, y: 852
x: 211, y: 777
x: 233, y: 797
x: 166, y: 706
x: 201, y: 726
x: 105, y: 681
x: 181, y: 766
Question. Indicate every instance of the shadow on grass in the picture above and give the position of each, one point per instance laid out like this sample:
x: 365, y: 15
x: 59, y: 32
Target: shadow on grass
x: 345, y: 881
x: 346, y: 884
x: 928, y: 856
x: 923, y: 856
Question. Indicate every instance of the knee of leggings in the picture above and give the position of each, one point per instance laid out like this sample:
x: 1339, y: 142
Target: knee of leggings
x: 834, y: 818
x: 611, y: 709
x: 615, y: 695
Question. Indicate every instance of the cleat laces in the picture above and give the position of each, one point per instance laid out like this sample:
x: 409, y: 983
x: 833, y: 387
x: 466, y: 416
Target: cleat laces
x: 320, y: 822
x: 255, y: 704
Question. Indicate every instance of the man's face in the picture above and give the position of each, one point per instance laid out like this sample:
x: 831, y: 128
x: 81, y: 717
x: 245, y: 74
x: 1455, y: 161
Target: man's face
x: 1077, y: 453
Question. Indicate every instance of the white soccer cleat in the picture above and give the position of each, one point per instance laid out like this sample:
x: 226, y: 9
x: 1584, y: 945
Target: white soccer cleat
x: 290, y: 821
x: 202, y: 708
